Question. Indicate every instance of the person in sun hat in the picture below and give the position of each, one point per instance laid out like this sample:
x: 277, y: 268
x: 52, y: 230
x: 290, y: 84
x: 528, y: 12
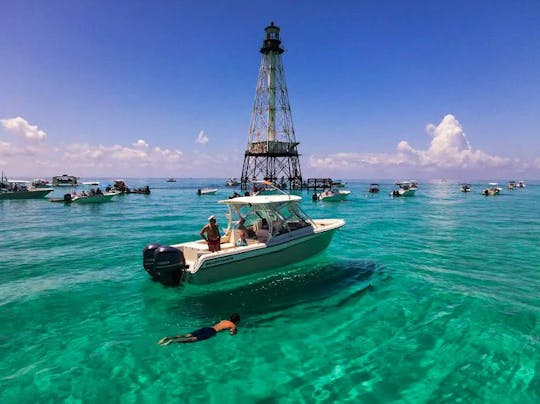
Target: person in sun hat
x: 210, y: 233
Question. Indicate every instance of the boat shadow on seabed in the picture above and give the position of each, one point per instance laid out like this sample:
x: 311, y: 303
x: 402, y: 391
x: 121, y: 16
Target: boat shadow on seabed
x: 343, y: 282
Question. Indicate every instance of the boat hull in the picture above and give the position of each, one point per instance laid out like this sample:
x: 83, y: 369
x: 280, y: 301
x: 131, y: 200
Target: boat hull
x: 93, y: 199
x: 33, y: 194
x: 261, y: 260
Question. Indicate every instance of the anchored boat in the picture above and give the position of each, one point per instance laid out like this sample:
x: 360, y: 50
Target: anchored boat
x: 19, y: 189
x: 264, y: 232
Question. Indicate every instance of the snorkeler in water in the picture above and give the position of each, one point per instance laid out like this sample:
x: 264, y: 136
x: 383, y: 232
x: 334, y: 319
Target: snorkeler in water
x: 204, y: 333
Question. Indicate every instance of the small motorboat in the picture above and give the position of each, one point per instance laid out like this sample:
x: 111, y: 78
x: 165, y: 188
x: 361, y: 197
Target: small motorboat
x: 465, y: 188
x: 264, y: 233
x: 338, y: 184
x: 521, y: 184
x: 373, y: 188
x: 206, y: 191
x: 65, y: 180
x: 232, y: 182
x: 492, y: 190
x: 331, y: 195
x: 84, y: 197
x: 91, y: 183
x: 19, y: 189
x: 40, y: 183
x: 171, y: 180
x: 511, y: 185
x: 404, y: 188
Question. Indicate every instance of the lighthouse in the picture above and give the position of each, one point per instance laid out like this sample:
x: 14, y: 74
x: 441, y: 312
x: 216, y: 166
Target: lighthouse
x: 272, y: 149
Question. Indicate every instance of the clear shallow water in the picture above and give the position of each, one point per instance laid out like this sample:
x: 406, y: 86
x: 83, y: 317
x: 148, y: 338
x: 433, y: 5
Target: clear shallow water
x: 434, y: 298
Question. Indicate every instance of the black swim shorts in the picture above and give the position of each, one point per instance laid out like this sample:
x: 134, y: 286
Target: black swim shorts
x: 204, y: 333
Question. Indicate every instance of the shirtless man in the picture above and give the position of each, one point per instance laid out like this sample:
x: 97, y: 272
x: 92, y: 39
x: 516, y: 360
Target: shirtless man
x: 204, y: 333
x: 212, y: 237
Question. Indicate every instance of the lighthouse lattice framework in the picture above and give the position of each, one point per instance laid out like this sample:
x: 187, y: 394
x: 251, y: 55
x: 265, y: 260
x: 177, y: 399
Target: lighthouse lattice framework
x: 272, y: 152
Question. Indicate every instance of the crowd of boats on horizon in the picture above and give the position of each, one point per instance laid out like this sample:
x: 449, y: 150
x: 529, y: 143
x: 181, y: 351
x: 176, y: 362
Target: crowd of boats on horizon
x: 325, y: 189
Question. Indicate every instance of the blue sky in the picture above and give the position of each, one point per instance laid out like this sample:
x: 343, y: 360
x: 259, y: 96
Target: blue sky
x: 378, y: 89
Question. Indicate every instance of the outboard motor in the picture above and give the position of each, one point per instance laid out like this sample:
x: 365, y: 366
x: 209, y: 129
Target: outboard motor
x: 148, y: 258
x: 169, y: 264
x: 67, y: 198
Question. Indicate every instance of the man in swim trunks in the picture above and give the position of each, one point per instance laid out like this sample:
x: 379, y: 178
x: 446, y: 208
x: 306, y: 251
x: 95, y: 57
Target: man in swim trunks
x: 205, y: 332
x: 210, y: 233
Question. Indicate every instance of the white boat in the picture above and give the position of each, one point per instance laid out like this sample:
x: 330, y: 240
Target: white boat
x: 91, y: 183
x: 206, y: 191
x: 465, y: 188
x: 171, y: 180
x: 373, y: 188
x: 289, y: 236
x: 84, y: 197
x: 232, y: 182
x: 65, y: 180
x: 338, y: 184
x: 404, y: 188
x: 331, y: 195
x: 511, y: 185
x: 19, y: 189
x: 521, y: 184
x: 492, y: 190
x: 96, y: 198
x: 40, y: 183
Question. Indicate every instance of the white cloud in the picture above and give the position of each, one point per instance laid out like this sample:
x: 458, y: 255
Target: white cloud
x: 4, y: 147
x: 202, y: 138
x: 449, y: 149
x: 21, y: 127
x: 141, y: 143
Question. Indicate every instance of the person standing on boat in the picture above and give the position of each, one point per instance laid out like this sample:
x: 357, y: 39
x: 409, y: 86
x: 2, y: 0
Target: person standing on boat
x: 204, y: 333
x: 210, y: 233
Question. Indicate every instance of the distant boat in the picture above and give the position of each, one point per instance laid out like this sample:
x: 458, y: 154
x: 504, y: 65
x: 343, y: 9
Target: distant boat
x: 511, y: 185
x: 232, y: 182
x: 492, y: 190
x: 465, y: 188
x: 405, y: 188
x: 94, y: 196
x: 331, y: 195
x: 521, y: 184
x: 65, y: 180
x: 171, y: 180
x: 40, y: 183
x: 19, y: 189
x: 94, y: 183
x: 338, y: 184
x: 206, y: 191
x: 373, y: 188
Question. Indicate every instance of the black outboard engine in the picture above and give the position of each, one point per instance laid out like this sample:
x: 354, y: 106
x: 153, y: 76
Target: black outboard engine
x: 167, y: 266
x: 148, y: 258
x: 67, y: 198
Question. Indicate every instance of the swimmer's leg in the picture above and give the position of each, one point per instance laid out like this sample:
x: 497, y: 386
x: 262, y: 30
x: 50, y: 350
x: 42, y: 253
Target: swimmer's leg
x: 175, y: 338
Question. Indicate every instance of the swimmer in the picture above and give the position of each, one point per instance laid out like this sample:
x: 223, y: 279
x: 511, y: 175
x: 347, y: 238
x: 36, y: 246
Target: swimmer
x: 203, y: 333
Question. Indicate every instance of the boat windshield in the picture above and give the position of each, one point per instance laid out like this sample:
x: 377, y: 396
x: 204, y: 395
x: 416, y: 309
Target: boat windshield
x: 275, y: 218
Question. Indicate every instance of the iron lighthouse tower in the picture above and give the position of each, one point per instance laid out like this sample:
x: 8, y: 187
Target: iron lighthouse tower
x: 272, y: 152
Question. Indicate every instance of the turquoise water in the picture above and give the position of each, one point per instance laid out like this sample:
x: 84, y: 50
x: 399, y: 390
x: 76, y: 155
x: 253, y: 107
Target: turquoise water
x: 434, y: 298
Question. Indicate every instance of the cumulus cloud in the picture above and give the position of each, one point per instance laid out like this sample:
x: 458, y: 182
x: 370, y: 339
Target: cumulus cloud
x: 141, y: 143
x: 21, y: 127
x: 118, y: 154
x: 449, y: 149
x: 202, y: 138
